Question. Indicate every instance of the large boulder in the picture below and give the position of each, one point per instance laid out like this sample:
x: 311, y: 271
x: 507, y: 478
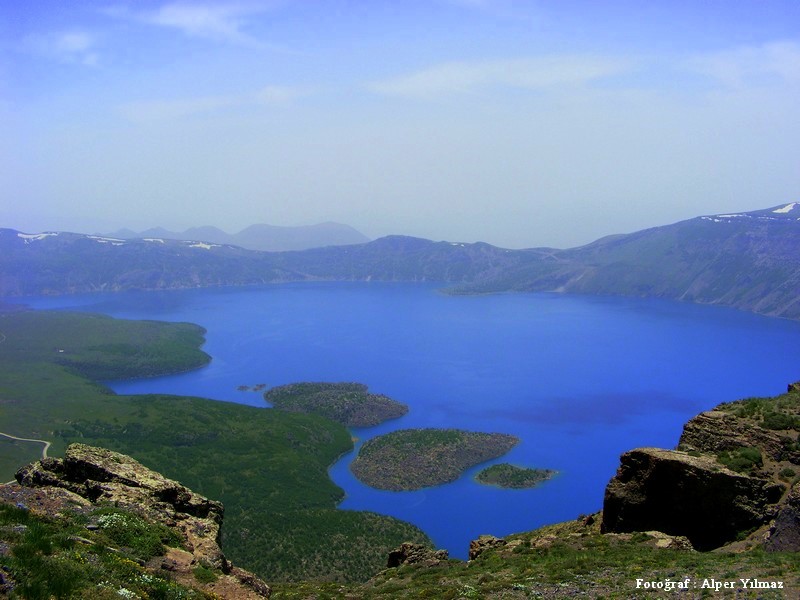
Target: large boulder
x: 692, y: 496
x: 409, y: 553
x: 484, y: 543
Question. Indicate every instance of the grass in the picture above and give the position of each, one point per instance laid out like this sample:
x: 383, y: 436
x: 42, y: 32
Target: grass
x: 14, y: 453
x: 568, y: 560
x: 62, y: 559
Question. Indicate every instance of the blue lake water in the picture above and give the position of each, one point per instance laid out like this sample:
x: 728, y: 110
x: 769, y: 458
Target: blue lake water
x: 579, y: 379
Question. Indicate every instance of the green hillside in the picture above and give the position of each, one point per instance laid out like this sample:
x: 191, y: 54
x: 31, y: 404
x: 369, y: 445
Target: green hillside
x: 268, y: 467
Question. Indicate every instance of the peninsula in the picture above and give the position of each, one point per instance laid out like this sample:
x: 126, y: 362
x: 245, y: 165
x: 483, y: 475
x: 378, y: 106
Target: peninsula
x: 411, y: 459
x: 347, y: 403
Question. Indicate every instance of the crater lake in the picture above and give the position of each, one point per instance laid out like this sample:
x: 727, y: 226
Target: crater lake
x: 579, y: 379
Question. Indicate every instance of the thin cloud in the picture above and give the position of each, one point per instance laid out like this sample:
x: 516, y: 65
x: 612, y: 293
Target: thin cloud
x: 168, y: 110
x: 775, y: 62
x: 212, y: 21
x: 497, y: 8
x: 528, y: 73
x: 69, y: 47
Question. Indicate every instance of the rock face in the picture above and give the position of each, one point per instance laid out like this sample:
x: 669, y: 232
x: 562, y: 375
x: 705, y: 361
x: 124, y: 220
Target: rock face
x: 98, y: 475
x: 784, y: 535
x: 483, y: 543
x: 692, y: 496
x: 716, y: 431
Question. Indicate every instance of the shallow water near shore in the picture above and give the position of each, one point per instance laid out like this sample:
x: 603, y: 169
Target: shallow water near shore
x: 579, y: 379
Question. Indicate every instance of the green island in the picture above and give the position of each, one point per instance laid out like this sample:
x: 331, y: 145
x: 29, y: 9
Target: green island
x: 269, y: 468
x: 347, y: 403
x: 506, y: 475
x: 411, y: 459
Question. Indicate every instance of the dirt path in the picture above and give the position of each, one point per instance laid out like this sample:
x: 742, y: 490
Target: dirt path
x: 45, y: 448
x: 19, y: 439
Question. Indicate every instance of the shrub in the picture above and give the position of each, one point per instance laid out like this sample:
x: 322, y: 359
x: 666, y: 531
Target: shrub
x: 144, y: 539
x: 780, y: 421
x: 204, y: 575
x: 742, y: 459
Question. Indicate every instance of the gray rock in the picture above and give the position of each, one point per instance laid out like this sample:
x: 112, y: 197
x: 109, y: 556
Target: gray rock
x: 484, y: 543
x: 784, y: 534
x: 683, y: 495
x: 415, y: 554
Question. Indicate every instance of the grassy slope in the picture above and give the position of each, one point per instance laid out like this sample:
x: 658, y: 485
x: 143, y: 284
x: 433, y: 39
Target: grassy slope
x: 63, y: 559
x: 269, y: 468
x: 571, y: 560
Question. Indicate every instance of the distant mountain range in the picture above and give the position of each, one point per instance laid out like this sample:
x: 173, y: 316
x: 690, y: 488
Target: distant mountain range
x: 748, y: 260
x: 270, y: 238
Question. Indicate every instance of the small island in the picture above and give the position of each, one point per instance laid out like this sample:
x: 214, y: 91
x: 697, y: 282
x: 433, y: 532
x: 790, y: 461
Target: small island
x: 347, y: 403
x: 411, y: 459
x: 506, y: 475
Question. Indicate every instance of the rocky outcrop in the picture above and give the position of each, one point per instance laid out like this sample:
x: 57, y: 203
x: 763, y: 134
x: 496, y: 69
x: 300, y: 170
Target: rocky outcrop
x: 101, y: 475
x: 484, y: 543
x: 89, y: 475
x: 784, y: 534
x: 692, y: 496
x: 409, y: 553
x: 716, y: 431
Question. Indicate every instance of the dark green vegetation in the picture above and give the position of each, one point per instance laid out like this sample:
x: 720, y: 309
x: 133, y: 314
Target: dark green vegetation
x: 268, y: 467
x: 510, y: 476
x: 14, y: 453
x: 347, y: 403
x: 99, y: 347
x: 749, y: 261
x: 411, y: 459
x: 61, y: 558
x: 743, y: 460
x: 571, y: 560
x: 778, y: 413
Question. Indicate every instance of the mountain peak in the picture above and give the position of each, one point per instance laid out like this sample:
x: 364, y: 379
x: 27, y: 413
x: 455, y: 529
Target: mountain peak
x: 272, y: 238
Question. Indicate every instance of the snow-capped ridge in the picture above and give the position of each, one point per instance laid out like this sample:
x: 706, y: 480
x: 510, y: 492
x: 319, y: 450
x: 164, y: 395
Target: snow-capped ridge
x: 31, y: 237
x: 788, y: 208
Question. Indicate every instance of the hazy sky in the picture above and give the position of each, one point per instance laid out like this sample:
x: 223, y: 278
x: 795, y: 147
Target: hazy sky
x: 516, y: 123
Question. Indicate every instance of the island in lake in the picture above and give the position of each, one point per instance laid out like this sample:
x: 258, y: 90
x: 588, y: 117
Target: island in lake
x: 411, y: 459
x: 347, y: 403
x: 506, y: 475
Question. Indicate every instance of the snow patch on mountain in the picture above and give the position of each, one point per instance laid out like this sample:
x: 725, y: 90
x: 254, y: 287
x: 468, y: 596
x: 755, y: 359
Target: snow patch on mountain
x: 785, y: 209
x: 30, y: 237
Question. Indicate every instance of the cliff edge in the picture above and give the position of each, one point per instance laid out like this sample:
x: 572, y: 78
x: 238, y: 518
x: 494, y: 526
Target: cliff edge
x: 732, y: 482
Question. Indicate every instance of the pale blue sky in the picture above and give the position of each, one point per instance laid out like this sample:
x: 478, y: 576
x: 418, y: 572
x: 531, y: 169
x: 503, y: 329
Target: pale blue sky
x: 517, y: 123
